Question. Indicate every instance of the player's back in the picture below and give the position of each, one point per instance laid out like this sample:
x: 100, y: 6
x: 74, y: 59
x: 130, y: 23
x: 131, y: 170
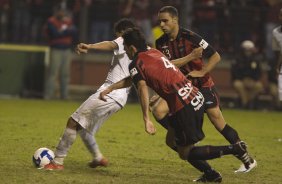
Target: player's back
x: 165, y: 79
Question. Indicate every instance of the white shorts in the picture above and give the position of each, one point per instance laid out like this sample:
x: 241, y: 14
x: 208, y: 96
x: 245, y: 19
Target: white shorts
x: 94, y: 112
x: 280, y: 86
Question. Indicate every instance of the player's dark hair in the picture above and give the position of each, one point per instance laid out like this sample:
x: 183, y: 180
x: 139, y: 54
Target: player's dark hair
x: 123, y: 24
x: 134, y: 36
x: 169, y: 9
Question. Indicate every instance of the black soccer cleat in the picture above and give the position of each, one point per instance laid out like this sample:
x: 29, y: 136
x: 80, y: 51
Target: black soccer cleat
x: 210, y: 176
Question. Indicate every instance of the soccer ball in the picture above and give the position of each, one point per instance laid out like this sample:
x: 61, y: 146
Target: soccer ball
x: 42, y: 157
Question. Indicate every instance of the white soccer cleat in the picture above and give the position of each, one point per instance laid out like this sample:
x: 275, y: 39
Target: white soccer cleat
x: 243, y: 169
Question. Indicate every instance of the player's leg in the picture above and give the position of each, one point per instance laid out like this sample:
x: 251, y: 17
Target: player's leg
x: 215, y: 116
x: 200, y: 165
x: 160, y: 112
x: 202, y: 153
x: 93, y: 147
x: 64, y: 145
x: 187, y: 127
x: 91, y: 115
x: 217, y: 119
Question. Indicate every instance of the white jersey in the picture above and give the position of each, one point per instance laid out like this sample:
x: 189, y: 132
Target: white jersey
x: 118, y: 71
x: 277, y: 46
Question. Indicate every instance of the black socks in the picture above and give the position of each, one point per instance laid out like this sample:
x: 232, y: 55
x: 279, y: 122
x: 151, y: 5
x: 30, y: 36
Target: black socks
x: 210, y: 152
x: 230, y: 134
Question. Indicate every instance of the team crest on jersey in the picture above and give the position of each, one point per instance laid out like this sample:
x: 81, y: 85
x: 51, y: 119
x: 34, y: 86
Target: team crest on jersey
x: 203, y: 44
x: 133, y: 72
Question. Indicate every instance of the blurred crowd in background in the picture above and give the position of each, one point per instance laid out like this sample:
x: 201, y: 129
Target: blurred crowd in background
x: 223, y: 23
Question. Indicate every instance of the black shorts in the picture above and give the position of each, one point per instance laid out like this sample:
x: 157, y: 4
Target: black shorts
x: 187, y: 124
x: 211, y: 97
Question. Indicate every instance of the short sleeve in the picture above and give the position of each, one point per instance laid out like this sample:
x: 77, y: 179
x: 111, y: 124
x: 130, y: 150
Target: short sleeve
x: 120, y: 49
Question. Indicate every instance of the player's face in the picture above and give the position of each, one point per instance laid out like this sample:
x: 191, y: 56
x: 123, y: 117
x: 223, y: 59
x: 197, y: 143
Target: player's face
x: 167, y: 22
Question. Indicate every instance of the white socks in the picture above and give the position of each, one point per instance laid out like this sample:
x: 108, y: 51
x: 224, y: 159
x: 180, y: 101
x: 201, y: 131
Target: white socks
x: 91, y: 144
x: 64, y: 145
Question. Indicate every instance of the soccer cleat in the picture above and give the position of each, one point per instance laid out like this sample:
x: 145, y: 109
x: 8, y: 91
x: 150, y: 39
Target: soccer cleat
x: 210, y: 176
x: 95, y: 163
x: 243, y: 169
x: 53, y: 166
x: 242, y: 154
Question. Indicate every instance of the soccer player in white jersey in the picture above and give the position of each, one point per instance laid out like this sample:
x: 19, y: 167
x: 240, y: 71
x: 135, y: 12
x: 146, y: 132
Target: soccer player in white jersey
x: 88, y: 118
x: 277, y: 46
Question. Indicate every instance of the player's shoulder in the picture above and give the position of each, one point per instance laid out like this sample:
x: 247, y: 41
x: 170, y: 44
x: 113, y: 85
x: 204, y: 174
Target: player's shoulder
x: 187, y: 33
x: 149, y: 55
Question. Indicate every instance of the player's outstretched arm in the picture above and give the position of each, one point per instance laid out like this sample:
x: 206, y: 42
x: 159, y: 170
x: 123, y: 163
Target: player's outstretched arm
x: 103, y: 46
x: 213, y: 60
x: 195, y: 54
x: 124, y: 83
x: 144, y: 101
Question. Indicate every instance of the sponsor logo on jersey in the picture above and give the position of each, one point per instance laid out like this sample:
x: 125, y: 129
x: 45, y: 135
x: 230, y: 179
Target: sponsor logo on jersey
x: 185, y: 91
x: 203, y: 44
x: 133, y: 72
x: 198, y: 101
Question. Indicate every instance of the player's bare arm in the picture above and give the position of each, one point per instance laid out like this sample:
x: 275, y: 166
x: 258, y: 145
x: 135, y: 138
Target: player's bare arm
x: 195, y: 54
x: 124, y: 83
x: 144, y: 101
x: 102, y: 46
x: 213, y: 60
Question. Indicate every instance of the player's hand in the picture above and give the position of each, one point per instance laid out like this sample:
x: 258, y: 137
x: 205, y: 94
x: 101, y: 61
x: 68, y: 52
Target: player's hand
x: 82, y: 48
x: 197, y: 53
x: 197, y: 73
x: 104, y: 93
x: 149, y: 127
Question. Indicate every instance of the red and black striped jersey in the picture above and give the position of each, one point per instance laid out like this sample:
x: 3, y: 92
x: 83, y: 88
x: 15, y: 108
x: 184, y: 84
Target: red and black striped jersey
x: 183, y: 45
x: 163, y: 77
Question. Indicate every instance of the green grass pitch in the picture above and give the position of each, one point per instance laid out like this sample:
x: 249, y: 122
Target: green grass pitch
x: 135, y: 157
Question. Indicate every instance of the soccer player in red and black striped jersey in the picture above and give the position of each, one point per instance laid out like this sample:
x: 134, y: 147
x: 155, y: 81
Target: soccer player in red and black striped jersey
x: 149, y: 67
x: 177, y: 42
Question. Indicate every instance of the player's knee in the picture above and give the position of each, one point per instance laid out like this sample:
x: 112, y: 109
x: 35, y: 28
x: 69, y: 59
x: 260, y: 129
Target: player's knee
x: 160, y: 110
x: 158, y: 113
